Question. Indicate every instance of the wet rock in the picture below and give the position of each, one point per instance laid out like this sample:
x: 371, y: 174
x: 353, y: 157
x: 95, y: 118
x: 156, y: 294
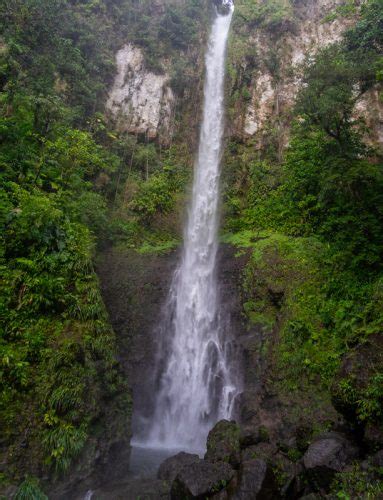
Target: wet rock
x: 327, y: 455
x: 201, y: 479
x: 249, y: 398
x: 224, y: 443
x: 256, y: 481
x: 169, y: 469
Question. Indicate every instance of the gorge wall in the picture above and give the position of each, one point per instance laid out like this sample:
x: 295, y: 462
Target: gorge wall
x: 265, y: 56
x: 99, y: 124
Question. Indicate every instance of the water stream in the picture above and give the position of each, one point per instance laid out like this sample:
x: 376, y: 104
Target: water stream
x: 198, y: 379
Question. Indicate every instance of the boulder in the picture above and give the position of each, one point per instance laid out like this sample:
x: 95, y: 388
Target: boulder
x: 332, y: 450
x: 224, y: 443
x: 169, y: 469
x: 201, y: 479
x: 256, y: 481
x: 327, y: 455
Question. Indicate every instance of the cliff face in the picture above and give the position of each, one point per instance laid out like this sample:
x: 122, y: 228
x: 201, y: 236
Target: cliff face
x: 265, y: 72
x: 140, y: 101
x: 274, y: 88
x: 264, y: 77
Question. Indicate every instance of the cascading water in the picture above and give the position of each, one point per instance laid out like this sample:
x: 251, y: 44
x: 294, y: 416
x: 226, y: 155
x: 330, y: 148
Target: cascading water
x: 198, y: 382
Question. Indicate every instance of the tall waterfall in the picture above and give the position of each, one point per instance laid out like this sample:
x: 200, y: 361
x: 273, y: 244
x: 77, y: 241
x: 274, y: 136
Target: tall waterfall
x: 198, y: 385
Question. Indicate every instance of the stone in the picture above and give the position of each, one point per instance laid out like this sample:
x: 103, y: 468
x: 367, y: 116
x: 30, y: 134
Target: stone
x: 169, y: 469
x: 332, y: 450
x: 256, y: 481
x: 224, y: 443
x: 201, y: 479
x: 140, y: 101
x: 328, y: 454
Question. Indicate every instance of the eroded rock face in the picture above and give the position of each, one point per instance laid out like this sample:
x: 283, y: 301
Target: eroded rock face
x: 272, y: 97
x: 141, y: 102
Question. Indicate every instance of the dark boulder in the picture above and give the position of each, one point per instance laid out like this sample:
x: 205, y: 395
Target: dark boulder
x: 224, y: 443
x: 328, y: 454
x: 256, y: 481
x: 201, y: 479
x: 332, y: 450
x: 169, y: 469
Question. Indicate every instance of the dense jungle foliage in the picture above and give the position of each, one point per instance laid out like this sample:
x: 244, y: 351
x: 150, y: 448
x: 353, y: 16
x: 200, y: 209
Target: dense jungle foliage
x: 69, y: 183
x: 311, y: 215
x: 315, y: 221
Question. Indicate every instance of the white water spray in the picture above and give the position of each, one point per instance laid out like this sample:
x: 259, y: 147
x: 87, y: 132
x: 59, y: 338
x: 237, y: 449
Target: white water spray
x: 198, y: 385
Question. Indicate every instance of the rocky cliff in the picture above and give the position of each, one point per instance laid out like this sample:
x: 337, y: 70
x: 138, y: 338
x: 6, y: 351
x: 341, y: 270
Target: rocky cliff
x: 265, y: 63
x: 140, y: 101
x: 267, y: 52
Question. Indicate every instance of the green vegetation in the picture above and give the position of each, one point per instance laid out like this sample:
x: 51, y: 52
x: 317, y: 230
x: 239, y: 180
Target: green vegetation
x: 314, y: 222
x: 312, y: 218
x: 70, y: 184
x: 266, y: 14
x: 358, y: 483
x: 30, y: 489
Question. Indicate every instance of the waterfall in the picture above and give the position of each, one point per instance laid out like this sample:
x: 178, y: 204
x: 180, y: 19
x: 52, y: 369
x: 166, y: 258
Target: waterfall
x: 198, y: 382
